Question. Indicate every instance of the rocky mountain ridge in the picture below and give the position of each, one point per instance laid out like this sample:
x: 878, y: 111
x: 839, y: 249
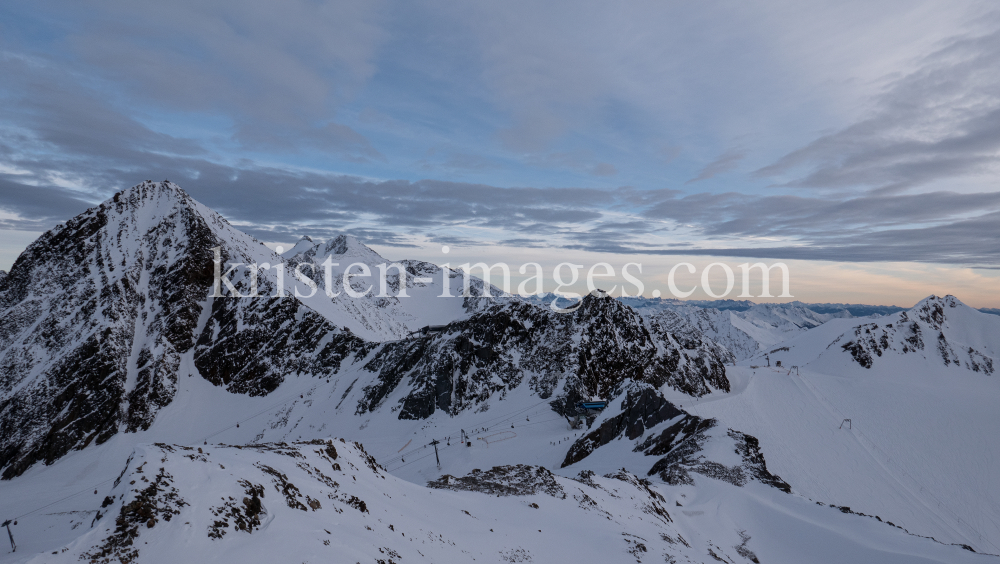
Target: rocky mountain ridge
x: 102, y: 316
x: 589, y: 354
x: 941, y: 331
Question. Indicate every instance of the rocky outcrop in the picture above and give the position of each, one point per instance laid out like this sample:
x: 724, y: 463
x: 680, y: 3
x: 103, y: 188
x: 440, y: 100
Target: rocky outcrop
x: 754, y: 464
x: 925, y: 330
x: 681, y: 447
x: 250, y: 346
x: 518, y: 479
x: 679, y: 440
x: 640, y: 410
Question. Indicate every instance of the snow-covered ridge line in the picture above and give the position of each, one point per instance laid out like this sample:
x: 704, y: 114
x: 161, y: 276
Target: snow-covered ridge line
x: 329, y: 499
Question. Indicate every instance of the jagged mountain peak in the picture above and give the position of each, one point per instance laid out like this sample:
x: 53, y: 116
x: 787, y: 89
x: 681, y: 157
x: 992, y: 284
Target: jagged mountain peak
x: 592, y: 352
x: 933, y: 309
x: 948, y: 300
x: 95, y: 316
x: 148, y: 189
x: 943, y: 313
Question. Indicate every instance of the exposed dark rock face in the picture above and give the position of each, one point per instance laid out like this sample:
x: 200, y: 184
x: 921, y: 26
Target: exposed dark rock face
x: 518, y: 479
x: 94, y: 318
x: 160, y: 500
x: 96, y: 315
x: 590, y: 353
x: 748, y: 447
x: 249, y: 345
x: 680, y: 445
x: 641, y: 410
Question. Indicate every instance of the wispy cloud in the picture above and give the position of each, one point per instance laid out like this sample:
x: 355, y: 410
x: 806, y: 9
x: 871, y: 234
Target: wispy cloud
x: 543, y: 113
x: 726, y: 162
x: 941, y: 121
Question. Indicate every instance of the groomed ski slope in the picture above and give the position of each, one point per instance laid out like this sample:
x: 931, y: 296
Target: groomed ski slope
x: 921, y: 449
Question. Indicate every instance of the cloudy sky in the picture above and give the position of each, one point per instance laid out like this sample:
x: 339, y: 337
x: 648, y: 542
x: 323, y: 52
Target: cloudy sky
x: 857, y: 141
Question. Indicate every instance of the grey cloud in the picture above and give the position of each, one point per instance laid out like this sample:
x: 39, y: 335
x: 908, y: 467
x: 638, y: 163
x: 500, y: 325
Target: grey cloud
x: 72, y: 119
x: 968, y: 242
x: 279, y: 204
x: 630, y: 227
x: 54, y: 128
x: 933, y: 227
x: 39, y: 207
x: 278, y: 71
x: 739, y: 215
x: 941, y: 121
x: 669, y: 153
x: 524, y: 243
x: 329, y: 137
x: 273, y: 204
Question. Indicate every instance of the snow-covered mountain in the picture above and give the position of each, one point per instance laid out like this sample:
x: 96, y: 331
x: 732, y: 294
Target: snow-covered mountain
x: 588, y: 354
x: 101, y: 318
x: 856, y: 310
x: 174, y: 424
x: 935, y: 332
x: 742, y: 327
